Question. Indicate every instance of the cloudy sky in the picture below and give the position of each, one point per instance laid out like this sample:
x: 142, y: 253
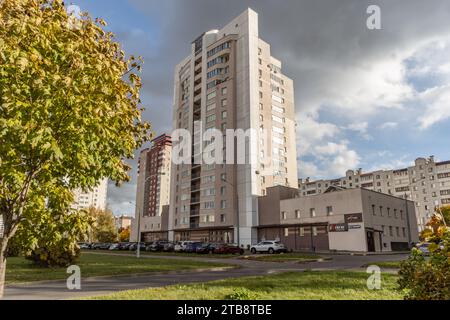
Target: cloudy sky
x: 364, y: 98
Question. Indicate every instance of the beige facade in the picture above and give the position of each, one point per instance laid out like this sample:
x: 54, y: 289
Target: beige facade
x: 95, y: 198
x: 427, y: 183
x: 153, y: 189
x: 123, y: 222
x: 337, y: 220
x: 231, y: 81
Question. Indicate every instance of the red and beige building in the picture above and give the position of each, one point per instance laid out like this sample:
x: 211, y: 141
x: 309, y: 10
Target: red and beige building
x: 153, y: 191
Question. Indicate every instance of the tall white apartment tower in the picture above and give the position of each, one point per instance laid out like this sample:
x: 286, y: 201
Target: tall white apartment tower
x: 230, y: 81
x: 95, y: 198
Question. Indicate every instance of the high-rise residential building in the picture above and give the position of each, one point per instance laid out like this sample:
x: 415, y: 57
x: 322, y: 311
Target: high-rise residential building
x: 153, y: 190
x: 95, y: 198
x: 427, y: 183
x: 231, y: 81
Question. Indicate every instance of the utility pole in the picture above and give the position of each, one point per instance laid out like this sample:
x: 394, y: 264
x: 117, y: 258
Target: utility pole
x: 408, y: 222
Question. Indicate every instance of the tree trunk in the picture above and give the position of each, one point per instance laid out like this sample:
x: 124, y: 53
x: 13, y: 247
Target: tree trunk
x: 2, y: 271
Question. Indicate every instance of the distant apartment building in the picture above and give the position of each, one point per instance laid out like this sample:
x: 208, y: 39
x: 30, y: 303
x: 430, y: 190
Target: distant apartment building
x: 337, y: 219
x: 95, y: 198
x: 123, y: 222
x: 153, y: 190
x: 427, y: 183
x: 231, y: 81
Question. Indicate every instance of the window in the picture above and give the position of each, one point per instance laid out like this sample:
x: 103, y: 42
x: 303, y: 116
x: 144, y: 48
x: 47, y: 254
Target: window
x: 383, y: 231
x: 224, y: 91
x: 277, y: 109
x: 283, y: 215
x: 312, y: 212
x: 397, y: 231
x: 391, y: 233
x: 395, y: 214
x: 223, y: 190
x: 297, y: 214
x: 210, y: 118
x: 381, y: 211
x: 211, y: 95
x: 222, y: 218
x: 219, y: 48
x: 224, y: 102
x: 224, y: 114
x: 373, y: 210
x: 277, y: 99
x: 301, y: 231
x: 223, y: 204
x: 404, y: 232
x: 329, y: 211
x: 286, y: 232
x: 208, y: 205
x: 211, y: 106
x: 314, y: 231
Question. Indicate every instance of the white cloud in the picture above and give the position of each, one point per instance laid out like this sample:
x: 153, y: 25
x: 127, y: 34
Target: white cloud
x: 436, y: 102
x: 388, y: 125
x: 361, y: 128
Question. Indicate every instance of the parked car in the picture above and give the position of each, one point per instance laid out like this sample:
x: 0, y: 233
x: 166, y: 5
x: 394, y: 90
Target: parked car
x: 270, y: 246
x: 124, y: 245
x: 114, y: 246
x: 84, y: 245
x: 100, y: 246
x: 134, y: 245
x: 206, y: 248
x: 424, y: 247
x: 228, y: 249
x: 180, y: 246
x: 157, y: 246
x: 169, y: 247
x: 192, y: 247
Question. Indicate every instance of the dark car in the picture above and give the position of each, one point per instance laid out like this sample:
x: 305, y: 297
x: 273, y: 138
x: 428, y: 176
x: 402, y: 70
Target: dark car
x: 192, y: 247
x: 134, y: 245
x: 157, y: 246
x: 124, y: 245
x: 99, y: 246
x: 228, y: 249
x: 169, y: 247
x: 208, y: 248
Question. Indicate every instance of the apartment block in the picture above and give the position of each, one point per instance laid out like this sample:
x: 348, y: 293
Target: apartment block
x: 231, y: 81
x: 427, y: 183
x: 153, y: 190
x: 123, y: 222
x: 338, y: 219
x: 95, y: 198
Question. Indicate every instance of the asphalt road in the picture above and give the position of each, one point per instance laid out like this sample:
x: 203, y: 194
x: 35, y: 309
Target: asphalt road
x: 55, y: 290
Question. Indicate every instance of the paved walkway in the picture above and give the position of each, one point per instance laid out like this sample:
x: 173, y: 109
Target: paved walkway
x: 54, y: 290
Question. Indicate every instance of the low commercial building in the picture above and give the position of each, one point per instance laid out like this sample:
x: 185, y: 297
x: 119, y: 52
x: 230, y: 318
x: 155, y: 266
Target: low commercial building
x: 427, y: 183
x: 339, y: 219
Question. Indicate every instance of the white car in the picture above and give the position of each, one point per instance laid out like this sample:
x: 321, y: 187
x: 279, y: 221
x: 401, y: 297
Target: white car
x: 181, y: 246
x: 270, y: 246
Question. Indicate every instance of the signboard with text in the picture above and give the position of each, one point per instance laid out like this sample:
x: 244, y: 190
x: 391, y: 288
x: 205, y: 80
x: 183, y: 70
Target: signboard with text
x: 338, y: 227
x: 353, y: 218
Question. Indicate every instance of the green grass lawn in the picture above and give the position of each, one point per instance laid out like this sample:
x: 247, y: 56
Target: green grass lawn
x: 285, y: 257
x: 386, y: 264
x: 309, y: 285
x: 21, y: 270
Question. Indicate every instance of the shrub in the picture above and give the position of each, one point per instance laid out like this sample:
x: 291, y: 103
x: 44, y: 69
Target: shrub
x: 241, y: 294
x: 428, y: 278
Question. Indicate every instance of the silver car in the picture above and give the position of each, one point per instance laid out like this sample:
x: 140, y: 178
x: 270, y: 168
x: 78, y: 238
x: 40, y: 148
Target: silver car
x: 270, y: 246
